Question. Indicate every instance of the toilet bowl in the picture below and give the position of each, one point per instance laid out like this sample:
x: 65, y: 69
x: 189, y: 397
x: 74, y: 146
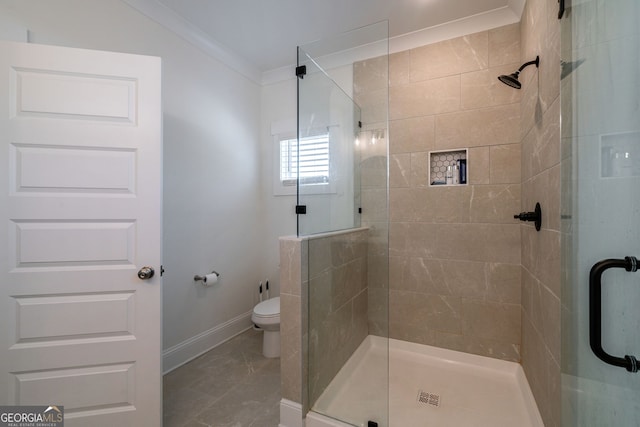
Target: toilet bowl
x: 266, y: 315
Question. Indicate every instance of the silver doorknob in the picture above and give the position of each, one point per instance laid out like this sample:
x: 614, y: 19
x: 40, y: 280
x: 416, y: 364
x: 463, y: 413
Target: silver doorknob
x: 146, y: 273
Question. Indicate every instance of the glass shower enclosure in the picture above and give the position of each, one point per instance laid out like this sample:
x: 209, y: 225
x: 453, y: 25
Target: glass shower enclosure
x: 328, y: 163
x: 600, y: 90
x: 342, y: 207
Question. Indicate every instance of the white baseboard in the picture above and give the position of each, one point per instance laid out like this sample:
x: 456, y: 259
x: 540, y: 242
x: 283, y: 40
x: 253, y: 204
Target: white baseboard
x: 290, y: 414
x: 188, y: 350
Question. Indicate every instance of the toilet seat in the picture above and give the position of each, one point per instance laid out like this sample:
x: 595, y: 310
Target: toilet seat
x: 268, y: 309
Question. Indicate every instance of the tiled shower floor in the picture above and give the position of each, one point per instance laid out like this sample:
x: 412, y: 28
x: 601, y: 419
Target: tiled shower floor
x: 429, y: 386
x: 233, y: 385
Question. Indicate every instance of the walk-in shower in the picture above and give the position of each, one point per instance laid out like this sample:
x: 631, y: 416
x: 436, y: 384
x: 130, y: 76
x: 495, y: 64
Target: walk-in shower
x: 408, y: 286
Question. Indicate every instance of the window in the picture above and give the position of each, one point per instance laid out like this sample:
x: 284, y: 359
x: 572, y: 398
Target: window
x: 313, y: 160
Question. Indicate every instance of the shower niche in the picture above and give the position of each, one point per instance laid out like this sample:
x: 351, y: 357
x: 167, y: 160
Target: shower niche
x: 448, y: 167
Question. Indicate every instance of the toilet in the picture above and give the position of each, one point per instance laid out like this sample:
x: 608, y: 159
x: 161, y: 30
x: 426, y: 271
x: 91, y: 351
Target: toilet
x: 266, y: 315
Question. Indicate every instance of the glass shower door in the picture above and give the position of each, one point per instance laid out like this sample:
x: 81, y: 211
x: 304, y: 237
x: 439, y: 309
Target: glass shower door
x: 600, y: 91
x: 343, y: 191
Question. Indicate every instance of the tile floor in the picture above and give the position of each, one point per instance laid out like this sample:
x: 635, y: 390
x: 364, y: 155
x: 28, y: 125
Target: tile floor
x: 233, y: 385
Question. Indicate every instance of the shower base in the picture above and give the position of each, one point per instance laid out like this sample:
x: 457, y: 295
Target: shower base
x: 428, y: 386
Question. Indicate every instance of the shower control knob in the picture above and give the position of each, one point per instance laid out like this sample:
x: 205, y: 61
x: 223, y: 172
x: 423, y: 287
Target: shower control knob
x: 526, y: 216
x: 535, y: 216
x: 146, y: 273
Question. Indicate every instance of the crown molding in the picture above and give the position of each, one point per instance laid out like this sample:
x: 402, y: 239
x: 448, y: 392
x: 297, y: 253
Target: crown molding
x: 517, y: 6
x: 276, y: 75
x: 461, y: 27
x: 169, y: 19
x: 458, y: 28
x: 166, y: 17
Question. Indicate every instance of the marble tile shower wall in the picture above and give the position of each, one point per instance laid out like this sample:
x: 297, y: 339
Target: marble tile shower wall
x: 455, y: 275
x: 331, y: 272
x: 293, y: 250
x: 373, y: 76
x: 338, y: 315
x: 541, y: 178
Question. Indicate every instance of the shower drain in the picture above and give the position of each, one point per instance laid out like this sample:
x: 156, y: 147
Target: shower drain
x: 428, y: 398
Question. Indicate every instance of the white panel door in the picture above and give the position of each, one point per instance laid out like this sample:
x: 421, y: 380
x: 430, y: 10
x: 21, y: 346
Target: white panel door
x: 80, y: 169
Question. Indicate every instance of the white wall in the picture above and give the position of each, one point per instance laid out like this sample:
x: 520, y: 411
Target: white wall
x: 278, y: 112
x: 213, y: 204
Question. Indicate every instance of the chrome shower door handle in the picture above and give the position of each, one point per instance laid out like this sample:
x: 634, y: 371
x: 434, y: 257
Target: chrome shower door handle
x: 630, y: 263
x: 146, y: 273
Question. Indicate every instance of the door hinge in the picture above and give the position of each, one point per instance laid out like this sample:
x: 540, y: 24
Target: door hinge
x: 301, y: 209
x: 359, y: 124
x: 161, y: 270
x: 359, y: 210
x: 301, y: 71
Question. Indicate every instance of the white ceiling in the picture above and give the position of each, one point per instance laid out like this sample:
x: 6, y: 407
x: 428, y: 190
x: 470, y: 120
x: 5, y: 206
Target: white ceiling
x: 264, y: 33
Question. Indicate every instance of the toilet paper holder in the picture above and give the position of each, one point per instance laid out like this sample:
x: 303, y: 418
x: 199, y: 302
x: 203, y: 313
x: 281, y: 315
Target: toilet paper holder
x: 197, y: 277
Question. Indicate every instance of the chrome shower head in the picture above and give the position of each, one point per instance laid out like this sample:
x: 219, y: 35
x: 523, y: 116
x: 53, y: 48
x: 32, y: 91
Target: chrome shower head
x: 512, y: 79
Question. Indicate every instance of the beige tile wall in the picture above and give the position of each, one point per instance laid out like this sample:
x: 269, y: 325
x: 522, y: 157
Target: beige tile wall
x: 332, y: 273
x: 338, y: 309
x: 371, y: 92
x: 455, y: 251
x: 540, y: 130
x: 293, y: 268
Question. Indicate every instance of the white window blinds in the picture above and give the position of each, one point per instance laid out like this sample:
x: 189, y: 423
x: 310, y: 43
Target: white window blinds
x: 313, y: 160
